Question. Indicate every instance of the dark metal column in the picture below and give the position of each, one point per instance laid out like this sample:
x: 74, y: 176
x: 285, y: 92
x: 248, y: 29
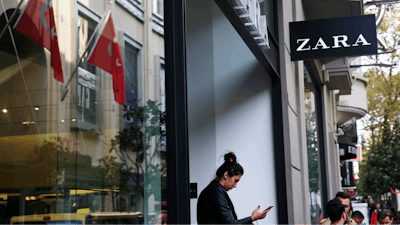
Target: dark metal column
x: 177, y: 117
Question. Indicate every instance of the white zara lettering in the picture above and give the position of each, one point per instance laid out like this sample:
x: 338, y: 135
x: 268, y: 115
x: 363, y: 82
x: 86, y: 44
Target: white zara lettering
x: 321, y: 43
x: 361, y: 39
x: 303, y: 41
x: 336, y: 41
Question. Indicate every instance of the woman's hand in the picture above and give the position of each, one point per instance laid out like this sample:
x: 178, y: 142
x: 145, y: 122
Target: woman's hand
x: 256, y: 215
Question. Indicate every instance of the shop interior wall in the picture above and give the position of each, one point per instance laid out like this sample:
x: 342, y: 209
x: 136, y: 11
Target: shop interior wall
x: 230, y: 109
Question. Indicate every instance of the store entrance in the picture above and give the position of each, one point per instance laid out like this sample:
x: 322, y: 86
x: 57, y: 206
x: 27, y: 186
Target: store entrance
x: 229, y: 109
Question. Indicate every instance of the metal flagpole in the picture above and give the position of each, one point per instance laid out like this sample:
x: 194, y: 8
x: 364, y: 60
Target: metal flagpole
x: 10, y: 19
x: 64, y: 88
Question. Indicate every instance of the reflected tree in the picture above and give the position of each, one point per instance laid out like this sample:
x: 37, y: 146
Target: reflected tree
x: 138, y: 149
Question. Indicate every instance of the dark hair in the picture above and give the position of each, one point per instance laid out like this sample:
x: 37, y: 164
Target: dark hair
x: 342, y: 194
x: 357, y: 214
x: 335, y: 209
x: 384, y: 213
x: 229, y: 165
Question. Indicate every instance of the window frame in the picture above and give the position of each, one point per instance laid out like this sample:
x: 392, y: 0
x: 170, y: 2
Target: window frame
x: 127, y: 39
x: 81, y: 12
x: 156, y: 9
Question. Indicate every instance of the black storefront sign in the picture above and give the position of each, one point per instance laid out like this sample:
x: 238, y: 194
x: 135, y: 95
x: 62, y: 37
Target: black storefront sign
x: 336, y: 37
x: 346, y: 171
x: 347, y: 151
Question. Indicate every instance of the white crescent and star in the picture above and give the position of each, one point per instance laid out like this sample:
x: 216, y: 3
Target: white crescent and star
x: 118, y: 64
x: 47, y: 5
x: 109, y: 51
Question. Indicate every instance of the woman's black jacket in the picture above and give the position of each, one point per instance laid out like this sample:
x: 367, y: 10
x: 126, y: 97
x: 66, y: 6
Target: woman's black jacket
x: 215, y: 207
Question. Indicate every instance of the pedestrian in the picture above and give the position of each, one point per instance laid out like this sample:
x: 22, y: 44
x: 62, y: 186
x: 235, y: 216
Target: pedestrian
x: 345, y: 199
x: 378, y: 208
x: 374, y: 214
x: 385, y: 217
x: 394, y: 214
x: 336, y: 211
x: 214, y: 205
x: 358, y: 217
x: 370, y: 208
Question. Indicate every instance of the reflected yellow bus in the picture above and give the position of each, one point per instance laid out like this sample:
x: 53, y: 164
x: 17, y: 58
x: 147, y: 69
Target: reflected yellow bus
x: 81, y: 218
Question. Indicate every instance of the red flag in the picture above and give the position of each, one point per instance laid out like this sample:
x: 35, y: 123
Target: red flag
x: 107, y: 55
x: 37, y: 22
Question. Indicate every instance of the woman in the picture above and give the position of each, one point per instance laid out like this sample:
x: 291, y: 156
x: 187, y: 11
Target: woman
x: 214, y: 205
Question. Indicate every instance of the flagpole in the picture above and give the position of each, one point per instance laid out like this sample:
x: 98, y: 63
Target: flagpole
x: 11, y: 18
x: 64, y: 88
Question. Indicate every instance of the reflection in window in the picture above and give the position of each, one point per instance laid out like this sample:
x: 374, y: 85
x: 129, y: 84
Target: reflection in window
x: 73, y: 161
x: 131, y: 70
x: 312, y: 149
x: 267, y: 9
x: 87, y: 95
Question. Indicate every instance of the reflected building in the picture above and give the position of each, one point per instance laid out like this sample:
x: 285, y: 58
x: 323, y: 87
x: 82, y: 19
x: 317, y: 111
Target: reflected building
x: 63, y: 155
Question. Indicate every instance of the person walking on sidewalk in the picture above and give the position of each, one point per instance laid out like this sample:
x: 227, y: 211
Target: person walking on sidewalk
x: 345, y: 199
x: 358, y: 217
x: 214, y: 205
x: 336, y: 211
x: 385, y: 217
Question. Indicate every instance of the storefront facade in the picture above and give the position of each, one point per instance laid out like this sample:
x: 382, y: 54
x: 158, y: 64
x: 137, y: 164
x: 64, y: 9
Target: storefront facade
x: 68, y: 158
x: 271, y: 111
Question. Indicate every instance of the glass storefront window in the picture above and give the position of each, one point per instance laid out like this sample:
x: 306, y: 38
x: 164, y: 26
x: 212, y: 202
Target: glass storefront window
x: 85, y: 158
x: 312, y: 150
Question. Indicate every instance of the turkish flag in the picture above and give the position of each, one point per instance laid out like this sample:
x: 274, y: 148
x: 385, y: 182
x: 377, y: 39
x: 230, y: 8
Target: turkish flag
x: 106, y: 54
x: 37, y: 22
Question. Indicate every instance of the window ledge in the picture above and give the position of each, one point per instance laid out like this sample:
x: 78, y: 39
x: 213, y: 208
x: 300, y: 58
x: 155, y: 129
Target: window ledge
x: 158, y: 16
x: 133, y: 8
x: 157, y: 25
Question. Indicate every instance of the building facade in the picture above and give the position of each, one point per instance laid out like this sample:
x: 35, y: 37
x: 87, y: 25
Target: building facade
x: 222, y: 90
x: 280, y: 117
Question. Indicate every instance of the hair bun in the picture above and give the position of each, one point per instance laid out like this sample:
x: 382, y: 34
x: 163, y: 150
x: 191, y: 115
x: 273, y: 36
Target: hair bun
x: 230, y: 157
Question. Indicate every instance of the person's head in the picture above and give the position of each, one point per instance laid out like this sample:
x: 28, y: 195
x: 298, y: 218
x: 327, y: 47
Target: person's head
x: 229, y: 173
x: 378, y: 206
x: 385, y: 217
x: 345, y: 199
x: 358, y: 217
x: 336, y: 212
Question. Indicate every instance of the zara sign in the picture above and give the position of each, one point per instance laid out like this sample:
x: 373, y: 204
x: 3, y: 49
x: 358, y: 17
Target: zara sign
x: 249, y: 12
x: 336, y: 37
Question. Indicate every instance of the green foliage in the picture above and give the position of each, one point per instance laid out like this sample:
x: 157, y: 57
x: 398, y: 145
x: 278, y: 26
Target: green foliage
x: 138, y: 146
x: 378, y: 171
x: 312, y: 153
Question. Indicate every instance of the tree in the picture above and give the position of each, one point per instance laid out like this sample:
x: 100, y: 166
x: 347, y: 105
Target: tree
x: 378, y: 171
x: 138, y: 148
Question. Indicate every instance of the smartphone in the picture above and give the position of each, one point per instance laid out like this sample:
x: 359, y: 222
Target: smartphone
x: 269, y: 207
